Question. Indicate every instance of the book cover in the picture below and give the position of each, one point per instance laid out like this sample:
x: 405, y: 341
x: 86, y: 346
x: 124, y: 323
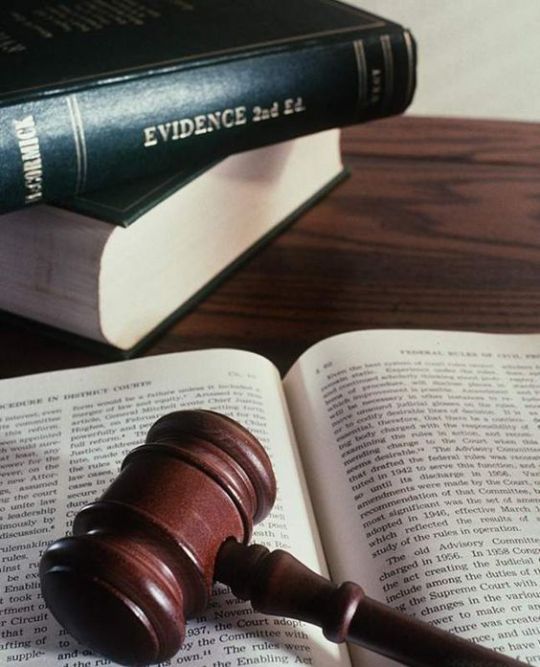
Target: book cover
x: 95, y: 93
x: 127, y: 202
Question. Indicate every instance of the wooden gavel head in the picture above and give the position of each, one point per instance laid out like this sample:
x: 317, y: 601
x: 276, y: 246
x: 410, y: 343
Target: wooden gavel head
x: 141, y: 559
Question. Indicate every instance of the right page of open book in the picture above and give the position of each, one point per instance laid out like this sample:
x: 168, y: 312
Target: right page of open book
x: 422, y: 450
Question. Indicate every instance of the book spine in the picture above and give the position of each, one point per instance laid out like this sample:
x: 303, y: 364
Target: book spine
x: 61, y: 145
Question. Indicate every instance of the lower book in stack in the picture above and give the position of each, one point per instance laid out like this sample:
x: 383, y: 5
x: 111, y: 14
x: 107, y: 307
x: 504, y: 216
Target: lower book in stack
x: 117, y: 266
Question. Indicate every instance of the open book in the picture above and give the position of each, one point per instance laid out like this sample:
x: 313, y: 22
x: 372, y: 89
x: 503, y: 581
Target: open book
x: 408, y: 462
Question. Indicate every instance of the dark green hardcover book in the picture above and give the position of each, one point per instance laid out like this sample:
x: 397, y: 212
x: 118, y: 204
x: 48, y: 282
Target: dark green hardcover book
x: 95, y: 93
x: 127, y: 202
x: 118, y: 266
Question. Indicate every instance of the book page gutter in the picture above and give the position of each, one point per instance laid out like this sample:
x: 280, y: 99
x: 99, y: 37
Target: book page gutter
x: 63, y: 437
x: 422, y: 452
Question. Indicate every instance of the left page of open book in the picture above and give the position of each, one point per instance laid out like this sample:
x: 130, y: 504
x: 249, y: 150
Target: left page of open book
x: 63, y: 436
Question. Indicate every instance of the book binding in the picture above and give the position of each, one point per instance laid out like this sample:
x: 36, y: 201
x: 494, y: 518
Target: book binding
x: 57, y: 145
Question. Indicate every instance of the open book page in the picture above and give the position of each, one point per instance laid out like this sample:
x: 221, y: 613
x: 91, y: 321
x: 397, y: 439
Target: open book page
x: 63, y: 437
x: 422, y: 452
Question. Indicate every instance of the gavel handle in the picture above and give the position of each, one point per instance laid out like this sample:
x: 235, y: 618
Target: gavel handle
x: 276, y: 583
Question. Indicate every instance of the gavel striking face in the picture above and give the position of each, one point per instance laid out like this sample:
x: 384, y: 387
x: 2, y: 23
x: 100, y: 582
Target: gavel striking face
x: 142, y: 559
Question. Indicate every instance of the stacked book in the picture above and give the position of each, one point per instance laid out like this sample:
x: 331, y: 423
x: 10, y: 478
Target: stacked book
x: 149, y: 146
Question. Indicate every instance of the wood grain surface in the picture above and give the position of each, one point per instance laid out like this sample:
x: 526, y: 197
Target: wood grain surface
x: 438, y: 227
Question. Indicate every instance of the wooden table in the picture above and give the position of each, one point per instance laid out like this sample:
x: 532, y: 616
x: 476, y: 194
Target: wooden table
x: 438, y: 227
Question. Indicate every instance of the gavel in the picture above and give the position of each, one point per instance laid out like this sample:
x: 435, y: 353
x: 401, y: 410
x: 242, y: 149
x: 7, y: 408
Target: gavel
x: 143, y: 558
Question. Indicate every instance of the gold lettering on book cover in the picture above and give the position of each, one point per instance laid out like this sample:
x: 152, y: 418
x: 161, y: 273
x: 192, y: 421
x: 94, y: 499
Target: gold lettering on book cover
x: 182, y: 4
x: 57, y: 18
x: 9, y: 44
x: 27, y: 138
x: 222, y: 119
